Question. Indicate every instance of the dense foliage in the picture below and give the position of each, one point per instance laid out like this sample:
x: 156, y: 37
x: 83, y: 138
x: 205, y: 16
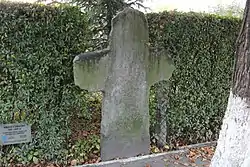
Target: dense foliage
x: 202, y: 48
x: 104, y: 10
x: 37, y: 44
x: 100, y: 14
x: 36, y: 47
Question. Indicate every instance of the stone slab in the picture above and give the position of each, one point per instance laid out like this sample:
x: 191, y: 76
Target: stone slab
x: 124, y: 72
x: 168, y: 159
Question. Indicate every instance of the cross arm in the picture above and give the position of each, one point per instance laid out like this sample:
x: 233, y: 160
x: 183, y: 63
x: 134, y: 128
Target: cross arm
x: 91, y: 70
x: 161, y: 68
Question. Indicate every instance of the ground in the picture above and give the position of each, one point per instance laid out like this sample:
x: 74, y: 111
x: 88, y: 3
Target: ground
x: 197, y: 156
x: 86, y: 148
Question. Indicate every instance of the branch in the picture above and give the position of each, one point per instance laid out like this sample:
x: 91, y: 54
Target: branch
x: 137, y: 3
x: 91, y: 55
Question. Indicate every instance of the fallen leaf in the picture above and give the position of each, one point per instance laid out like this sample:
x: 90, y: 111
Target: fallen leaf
x: 177, y: 157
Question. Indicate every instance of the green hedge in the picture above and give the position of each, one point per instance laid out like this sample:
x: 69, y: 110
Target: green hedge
x: 202, y: 48
x: 37, y: 44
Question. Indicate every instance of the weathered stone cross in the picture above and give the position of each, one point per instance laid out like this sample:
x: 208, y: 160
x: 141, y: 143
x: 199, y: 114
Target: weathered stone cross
x: 124, y: 72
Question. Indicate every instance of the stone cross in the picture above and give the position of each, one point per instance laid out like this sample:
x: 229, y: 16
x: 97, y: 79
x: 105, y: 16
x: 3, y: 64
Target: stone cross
x: 124, y: 72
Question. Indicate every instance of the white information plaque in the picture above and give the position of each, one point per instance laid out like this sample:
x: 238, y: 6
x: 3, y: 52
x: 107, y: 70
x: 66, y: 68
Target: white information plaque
x: 14, y: 133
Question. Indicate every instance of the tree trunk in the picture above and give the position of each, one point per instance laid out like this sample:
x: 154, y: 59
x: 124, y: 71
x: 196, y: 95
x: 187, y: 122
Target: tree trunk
x: 233, y: 147
x: 110, y: 14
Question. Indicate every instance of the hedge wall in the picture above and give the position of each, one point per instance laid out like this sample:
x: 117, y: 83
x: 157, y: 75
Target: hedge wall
x: 202, y: 48
x: 37, y: 82
x: 36, y: 47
